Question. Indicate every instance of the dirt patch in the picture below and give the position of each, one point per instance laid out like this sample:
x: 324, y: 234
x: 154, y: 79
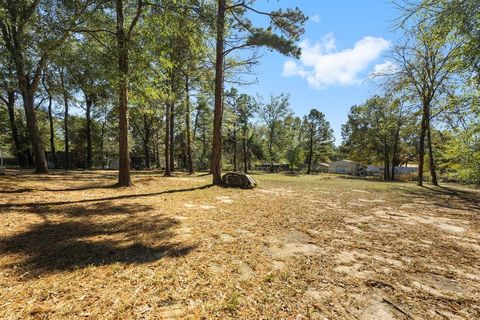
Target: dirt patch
x: 293, y: 243
x: 224, y: 199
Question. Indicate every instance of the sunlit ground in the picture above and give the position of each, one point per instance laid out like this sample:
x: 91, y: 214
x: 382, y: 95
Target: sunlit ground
x: 297, y: 247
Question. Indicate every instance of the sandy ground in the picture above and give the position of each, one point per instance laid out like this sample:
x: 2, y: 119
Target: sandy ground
x: 317, y: 247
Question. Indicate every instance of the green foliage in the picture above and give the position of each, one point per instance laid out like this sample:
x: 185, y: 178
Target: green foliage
x: 296, y: 156
x: 319, y: 136
x: 267, y: 38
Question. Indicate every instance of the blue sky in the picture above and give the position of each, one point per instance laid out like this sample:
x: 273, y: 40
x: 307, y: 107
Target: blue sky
x: 344, y: 41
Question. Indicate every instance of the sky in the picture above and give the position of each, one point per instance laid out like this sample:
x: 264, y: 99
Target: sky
x: 344, y: 42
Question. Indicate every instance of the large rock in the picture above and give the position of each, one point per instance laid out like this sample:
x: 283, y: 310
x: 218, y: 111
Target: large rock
x: 239, y: 180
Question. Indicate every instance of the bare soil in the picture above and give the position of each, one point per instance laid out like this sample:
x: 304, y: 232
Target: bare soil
x: 298, y: 247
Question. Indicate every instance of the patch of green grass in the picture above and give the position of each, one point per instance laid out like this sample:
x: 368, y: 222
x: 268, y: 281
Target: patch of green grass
x: 269, y: 277
x: 363, y: 226
x: 233, y: 302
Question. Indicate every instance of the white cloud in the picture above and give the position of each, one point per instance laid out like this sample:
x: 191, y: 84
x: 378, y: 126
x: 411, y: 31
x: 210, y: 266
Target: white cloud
x: 291, y: 69
x: 321, y: 64
x: 315, y: 18
x: 385, y: 68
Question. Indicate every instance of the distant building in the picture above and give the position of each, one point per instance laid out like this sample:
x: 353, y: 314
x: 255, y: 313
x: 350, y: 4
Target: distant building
x: 406, y: 170
x: 320, y: 167
x: 346, y: 167
x: 374, y: 170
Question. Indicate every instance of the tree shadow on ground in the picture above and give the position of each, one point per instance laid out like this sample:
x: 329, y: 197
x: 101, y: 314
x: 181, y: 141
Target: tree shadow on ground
x: 88, y: 187
x: 101, y: 209
x: 368, y: 179
x: 53, y: 246
x: 446, y: 197
x: 23, y: 175
x: 112, y: 198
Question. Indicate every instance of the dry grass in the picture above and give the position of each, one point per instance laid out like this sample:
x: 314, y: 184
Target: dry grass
x: 313, y: 247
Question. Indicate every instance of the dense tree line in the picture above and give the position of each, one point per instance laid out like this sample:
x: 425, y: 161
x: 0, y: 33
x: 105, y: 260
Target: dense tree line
x: 429, y: 111
x: 136, y: 78
x: 95, y: 81
x: 143, y: 68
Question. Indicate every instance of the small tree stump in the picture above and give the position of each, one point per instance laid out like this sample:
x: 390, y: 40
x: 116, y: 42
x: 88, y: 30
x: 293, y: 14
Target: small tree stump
x: 238, y: 180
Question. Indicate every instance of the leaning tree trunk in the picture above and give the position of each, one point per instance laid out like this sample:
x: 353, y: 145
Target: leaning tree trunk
x: 421, y: 149
x: 89, y: 103
x: 124, y: 179
x: 216, y: 165
x: 430, y: 154
x: 167, y: 140
x: 50, y: 122
x: 52, y: 132
x: 10, y: 102
x: 33, y: 131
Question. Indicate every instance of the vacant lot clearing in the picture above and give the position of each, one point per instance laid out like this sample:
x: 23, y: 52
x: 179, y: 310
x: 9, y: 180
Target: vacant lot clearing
x: 310, y: 247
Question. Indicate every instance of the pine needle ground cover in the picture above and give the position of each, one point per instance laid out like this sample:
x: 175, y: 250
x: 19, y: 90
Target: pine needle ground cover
x: 296, y: 247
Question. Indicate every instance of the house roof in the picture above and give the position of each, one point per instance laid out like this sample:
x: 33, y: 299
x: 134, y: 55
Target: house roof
x: 345, y: 160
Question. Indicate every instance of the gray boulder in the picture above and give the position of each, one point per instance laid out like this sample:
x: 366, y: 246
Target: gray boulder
x: 238, y: 180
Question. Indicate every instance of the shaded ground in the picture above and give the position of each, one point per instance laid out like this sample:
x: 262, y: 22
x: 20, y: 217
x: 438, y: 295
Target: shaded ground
x: 312, y: 247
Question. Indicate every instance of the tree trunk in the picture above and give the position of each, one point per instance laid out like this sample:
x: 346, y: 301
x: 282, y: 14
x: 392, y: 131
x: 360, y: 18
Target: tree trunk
x: 245, y: 153
x: 216, y: 165
x: 386, y: 171
x: 34, y: 133
x: 146, y: 141
x: 310, y: 152
x: 430, y: 154
x: 52, y: 132
x: 157, y: 148
x: 65, y: 122
x: 10, y: 102
x: 50, y: 121
x: 195, y: 126
x: 270, y: 148
x: 88, y: 129
x: 124, y: 179
x: 395, y: 151
x: 421, y: 149
x: 235, y: 146
x: 204, y: 144
x: 167, y: 140
x: 102, y: 138
x: 187, y: 122
x: 172, y: 136
x: 14, y: 37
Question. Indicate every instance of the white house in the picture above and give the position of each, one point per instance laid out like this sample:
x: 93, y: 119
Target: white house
x: 345, y: 166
